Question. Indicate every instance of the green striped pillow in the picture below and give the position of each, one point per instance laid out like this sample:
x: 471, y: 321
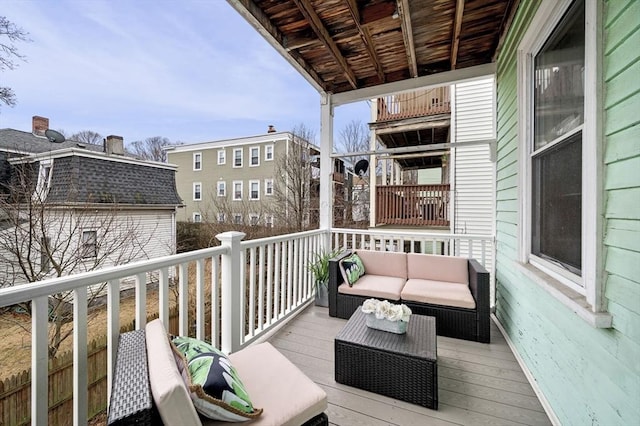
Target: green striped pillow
x: 215, y: 387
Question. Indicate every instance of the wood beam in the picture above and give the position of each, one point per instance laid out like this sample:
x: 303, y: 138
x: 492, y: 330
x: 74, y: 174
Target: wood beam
x: 376, y: 12
x: 295, y: 43
x: 455, y: 38
x: 323, y: 34
x: 407, y: 35
x: 261, y: 22
x: 366, y: 39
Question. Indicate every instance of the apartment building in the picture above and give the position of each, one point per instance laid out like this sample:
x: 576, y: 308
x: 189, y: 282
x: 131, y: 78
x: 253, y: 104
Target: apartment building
x: 234, y: 180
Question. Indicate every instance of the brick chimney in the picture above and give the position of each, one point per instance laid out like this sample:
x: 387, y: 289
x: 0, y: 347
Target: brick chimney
x: 114, y: 145
x: 271, y: 129
x: 39, y: 125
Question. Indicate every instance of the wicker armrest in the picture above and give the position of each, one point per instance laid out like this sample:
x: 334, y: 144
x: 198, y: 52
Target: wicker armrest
x: 335, y: 279
x: 131, y: 400
x: 480, y: 288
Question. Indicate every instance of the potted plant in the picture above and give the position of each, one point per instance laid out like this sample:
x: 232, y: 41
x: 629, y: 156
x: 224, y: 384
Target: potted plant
x: 319, y: 267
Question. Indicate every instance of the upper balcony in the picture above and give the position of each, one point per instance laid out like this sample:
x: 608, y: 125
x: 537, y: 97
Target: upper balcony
x: 419, y: 103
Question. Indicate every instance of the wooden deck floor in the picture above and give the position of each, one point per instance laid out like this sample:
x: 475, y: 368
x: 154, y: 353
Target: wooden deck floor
x: 478, y: 383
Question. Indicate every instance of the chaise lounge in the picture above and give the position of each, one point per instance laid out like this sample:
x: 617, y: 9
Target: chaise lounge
x: 454, y: 290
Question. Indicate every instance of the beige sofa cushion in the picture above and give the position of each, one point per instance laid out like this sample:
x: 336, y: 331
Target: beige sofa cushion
x: 438, y: 293
x: 438, y: 268
x: 387, y: 263
x: 378, y: 286
x: 167, y: 386
x: 287, y: 396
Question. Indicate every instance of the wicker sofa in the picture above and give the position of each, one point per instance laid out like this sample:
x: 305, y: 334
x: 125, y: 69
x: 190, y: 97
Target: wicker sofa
x: 428, y: 284
x: 150, y: 391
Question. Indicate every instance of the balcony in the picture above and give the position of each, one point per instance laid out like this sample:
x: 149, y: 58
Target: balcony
x: 413, y: 205
x: 252, y: 288
x: 419, y: 103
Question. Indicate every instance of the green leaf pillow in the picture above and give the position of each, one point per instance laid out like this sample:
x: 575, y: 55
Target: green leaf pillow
x: 215, y: 387
x: 352, y: 269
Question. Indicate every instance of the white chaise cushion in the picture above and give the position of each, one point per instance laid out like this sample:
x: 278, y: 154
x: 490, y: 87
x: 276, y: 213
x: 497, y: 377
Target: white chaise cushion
x: 287, y: 395
x: 167, y: 386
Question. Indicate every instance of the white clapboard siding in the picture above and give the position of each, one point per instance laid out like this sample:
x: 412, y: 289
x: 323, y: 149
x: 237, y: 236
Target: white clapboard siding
x: 474, y: 171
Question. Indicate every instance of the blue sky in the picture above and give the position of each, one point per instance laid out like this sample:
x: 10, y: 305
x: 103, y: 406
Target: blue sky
x: 187, y: 70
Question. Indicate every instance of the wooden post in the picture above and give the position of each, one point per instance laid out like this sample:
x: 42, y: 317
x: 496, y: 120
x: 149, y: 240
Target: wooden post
x: 232, y: 304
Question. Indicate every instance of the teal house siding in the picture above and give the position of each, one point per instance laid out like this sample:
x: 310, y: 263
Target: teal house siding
x: 588, y: 376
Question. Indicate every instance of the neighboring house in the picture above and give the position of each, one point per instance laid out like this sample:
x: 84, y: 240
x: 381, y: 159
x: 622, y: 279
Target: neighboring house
x: 237, y: 180
x: 445, y: 136
x: 71, y: 207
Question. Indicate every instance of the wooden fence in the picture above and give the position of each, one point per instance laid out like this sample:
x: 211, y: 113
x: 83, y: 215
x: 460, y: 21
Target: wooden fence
x: 15, y: 392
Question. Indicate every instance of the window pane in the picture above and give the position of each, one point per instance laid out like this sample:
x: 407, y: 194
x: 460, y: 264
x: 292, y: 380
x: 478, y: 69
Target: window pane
x: 557, y: 204
x: 559, y: 79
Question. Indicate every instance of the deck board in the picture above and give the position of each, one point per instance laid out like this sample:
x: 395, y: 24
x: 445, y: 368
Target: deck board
x: 478, y: 383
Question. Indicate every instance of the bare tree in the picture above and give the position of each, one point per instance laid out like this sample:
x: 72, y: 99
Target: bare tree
x: 9, y: 54
x: 294, y: 195
x: 88, y: 136
x: 40, y: 240
x: 354, y: 137
x: 151, y: 148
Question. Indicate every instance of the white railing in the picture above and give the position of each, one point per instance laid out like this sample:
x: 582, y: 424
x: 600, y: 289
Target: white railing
x: 265, y: 278
x: 247, y: 288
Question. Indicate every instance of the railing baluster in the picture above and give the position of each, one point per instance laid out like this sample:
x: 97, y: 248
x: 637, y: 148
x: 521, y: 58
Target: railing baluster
x: 242, y: 302
x: 296, y: 273
x: 200, y: 291
x: 163, y: 286
x: 277, y: 267
x: 141, y: 300
x: 113, y: 329
x: 39, y: 360
x: 183, y: 300
x: 252, y: 291
x: 80, y: 377
x: 289, y: 282
x: 261, y: 260
x: 215, y: 301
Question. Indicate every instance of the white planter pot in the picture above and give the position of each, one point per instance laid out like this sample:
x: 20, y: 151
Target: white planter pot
x: 397, y: 327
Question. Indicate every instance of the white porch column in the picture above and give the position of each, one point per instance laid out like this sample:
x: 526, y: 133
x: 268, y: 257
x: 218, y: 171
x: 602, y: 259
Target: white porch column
x: 372, y: 166
x: 326, y: 165
x: 232, y: 304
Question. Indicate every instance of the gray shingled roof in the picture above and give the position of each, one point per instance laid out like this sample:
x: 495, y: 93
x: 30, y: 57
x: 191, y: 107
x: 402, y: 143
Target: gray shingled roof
x: 92, y: 180
x: 82, y: 179
x: 17, y: 140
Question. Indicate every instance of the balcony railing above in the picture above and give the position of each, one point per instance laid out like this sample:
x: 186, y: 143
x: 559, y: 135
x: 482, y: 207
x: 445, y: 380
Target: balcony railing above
x: 419, y: 103
x: 414, y: 205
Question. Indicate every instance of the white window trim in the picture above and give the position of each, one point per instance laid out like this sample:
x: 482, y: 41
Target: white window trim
x: 251, y: 182
x: 266, y: 149
x: 44, y: 183
x: 224, y: 157
x: 266, y: 186
x: 198, y: 215
x: 253, y: 216
x: 222, y: 184
x: 193, y: 192
x: 221, y: 217
x: 591, y: 292
x: 234, y: 190
x: 241, y: 151
x: 236, y: 216
x: 195, y: 154
x: 251, y: 156
x: 268, y: 221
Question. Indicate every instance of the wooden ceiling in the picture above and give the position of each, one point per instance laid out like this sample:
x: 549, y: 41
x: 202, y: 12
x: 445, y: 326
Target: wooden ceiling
x: 343, y: 45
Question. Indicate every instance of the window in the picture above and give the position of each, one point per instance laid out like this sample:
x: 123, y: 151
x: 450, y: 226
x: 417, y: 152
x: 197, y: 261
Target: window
x: 221, y: 218
x: 197, y: 191
x: 89, y: 247
x: 197, y: 161
x: 255, y: 156
x: 45, y: 260
x: 222, y: 188
x: 197, y: 218
x: 44, y: 180
x: 268, y: 187
x: 268, y: 221
x: 268, y: 153
x: 237, y: 218
x: 222, y: 156
x: 254, y: 189
x: 237, y: 190
x: 558, y: 114
x: 253, y: 219
x: 237, y: 157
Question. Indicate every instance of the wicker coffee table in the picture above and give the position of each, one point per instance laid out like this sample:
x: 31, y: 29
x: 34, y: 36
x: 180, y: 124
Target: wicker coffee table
x: 401, y: 366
